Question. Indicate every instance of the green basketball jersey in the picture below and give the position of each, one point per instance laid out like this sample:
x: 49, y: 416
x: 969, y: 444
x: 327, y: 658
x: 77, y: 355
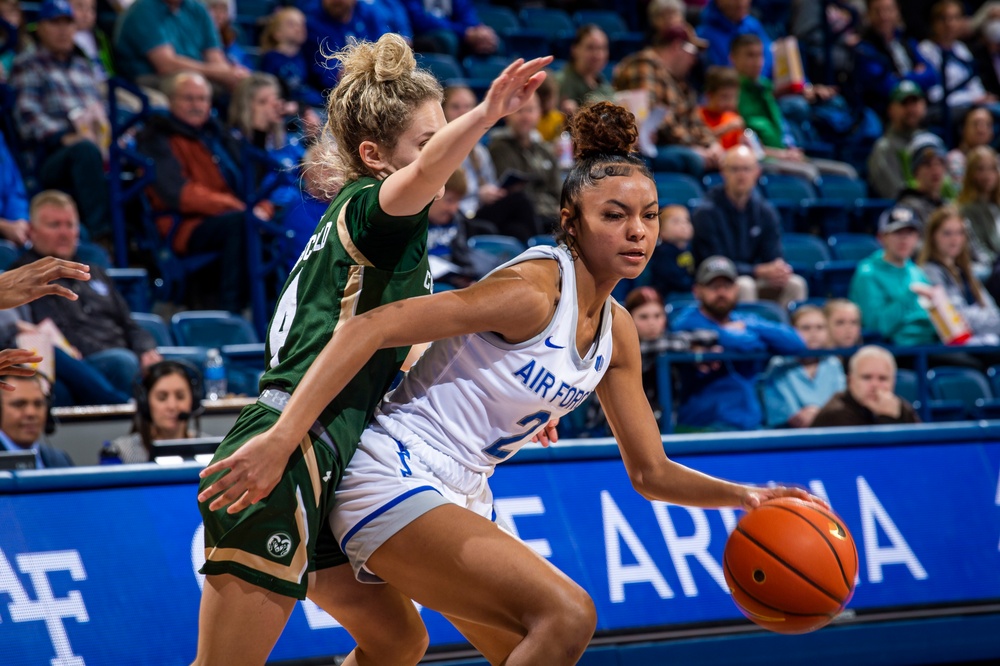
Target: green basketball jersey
x: 358, y: 259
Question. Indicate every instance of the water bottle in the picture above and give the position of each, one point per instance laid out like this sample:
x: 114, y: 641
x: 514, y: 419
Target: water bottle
x: 215, y: 376
x: 110, y: 455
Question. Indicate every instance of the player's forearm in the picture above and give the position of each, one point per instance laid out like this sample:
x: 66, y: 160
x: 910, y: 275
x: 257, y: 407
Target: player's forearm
x: 340, y: 360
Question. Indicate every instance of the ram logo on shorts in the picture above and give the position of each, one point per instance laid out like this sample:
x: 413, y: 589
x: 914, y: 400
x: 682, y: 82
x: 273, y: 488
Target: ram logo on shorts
x: 279, y: 544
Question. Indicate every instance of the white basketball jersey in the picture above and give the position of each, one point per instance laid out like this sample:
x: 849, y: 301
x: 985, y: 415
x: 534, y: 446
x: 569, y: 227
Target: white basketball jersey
x: 478, y: 399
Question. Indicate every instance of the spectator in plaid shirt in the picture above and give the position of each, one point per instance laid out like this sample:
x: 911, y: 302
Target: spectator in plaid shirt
x: 60, y: 112
x: 684, y: 142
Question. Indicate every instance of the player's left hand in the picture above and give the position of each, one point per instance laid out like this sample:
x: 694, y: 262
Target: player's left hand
x: 251, y: 473
x: 548, y: 434
x: 757, y: 495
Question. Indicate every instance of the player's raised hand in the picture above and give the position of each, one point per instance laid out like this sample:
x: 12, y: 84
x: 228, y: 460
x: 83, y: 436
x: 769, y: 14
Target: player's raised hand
x: 515, y: 86
x: 250, y: 474
x: 25, y: 284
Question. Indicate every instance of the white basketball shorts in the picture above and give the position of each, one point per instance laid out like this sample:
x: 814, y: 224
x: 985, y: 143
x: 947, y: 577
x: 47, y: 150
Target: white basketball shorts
x: 389, y: 484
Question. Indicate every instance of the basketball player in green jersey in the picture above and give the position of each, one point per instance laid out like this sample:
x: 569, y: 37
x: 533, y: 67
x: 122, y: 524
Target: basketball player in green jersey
x: 368, y: 249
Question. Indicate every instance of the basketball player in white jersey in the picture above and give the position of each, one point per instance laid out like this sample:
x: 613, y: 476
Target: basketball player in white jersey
x: 525, y: 345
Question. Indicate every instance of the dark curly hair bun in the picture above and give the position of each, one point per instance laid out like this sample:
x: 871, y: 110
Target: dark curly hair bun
x: 603, y: 129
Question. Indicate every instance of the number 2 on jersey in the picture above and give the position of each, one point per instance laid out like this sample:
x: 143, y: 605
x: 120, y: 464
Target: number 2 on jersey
x: 495, y: 450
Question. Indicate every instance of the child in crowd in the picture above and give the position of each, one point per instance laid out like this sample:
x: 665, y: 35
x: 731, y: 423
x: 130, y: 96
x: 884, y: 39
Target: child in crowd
x: 844, y: 321
x: 720, y: 111
x: 281, y: 55
x: 759, y: 108
x: 451, y: 259
x: 795, y: 389
x: 553, y: 121
x: 672, y: 263
x: 229, y: 35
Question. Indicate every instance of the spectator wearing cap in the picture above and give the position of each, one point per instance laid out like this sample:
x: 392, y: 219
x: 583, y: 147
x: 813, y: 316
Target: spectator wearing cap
x: 883, y: 283
x: 929, y: 186
x: 60, y: 113
x: 870, y: 398
x: 885, y: 56
x: 723, y: 396
x: 683, y: 140
x: 888, y: 164
x: 735, y: 221
x: 155, y: 39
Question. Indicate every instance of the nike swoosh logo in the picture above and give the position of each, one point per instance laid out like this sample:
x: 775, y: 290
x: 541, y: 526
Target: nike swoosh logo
x: 549, y: 343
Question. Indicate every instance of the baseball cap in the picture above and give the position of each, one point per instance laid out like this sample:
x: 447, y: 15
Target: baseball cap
x: 896, y: 218
x: 924, y: 146
x: 905, y: 90
x: 714, y: 267
x: 682, y: 33
x: 53, y: 9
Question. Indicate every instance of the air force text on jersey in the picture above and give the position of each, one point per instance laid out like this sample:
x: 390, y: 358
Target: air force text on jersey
x: 537, y: 378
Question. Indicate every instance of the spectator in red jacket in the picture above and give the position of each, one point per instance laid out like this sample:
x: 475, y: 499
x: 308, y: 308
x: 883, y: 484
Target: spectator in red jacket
x: 199, y: 176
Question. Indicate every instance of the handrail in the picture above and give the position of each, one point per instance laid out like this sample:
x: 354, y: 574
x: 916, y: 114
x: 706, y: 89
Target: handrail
x: 920, y: 353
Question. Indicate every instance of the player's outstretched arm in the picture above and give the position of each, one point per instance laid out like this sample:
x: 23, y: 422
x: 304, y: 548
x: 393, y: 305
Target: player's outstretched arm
x: 516, y: 303
x: 409, y: 190
x: 31, y: 281
x: 653, y: 474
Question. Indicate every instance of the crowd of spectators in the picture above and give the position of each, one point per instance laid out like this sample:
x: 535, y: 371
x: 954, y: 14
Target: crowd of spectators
x: 905, y: 110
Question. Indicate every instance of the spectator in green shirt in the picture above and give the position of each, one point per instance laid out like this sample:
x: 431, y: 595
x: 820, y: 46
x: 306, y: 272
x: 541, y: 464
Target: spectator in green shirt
x: 760, y: 110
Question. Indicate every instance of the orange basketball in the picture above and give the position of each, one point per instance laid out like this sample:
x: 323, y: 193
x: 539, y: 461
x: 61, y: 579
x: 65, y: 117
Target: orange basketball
x: 790, y: 565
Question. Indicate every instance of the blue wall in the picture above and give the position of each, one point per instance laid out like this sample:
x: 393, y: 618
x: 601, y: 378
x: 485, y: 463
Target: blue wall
x: 101, y: 563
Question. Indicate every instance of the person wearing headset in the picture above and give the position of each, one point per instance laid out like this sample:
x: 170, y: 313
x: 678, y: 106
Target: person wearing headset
x: 167, y: 398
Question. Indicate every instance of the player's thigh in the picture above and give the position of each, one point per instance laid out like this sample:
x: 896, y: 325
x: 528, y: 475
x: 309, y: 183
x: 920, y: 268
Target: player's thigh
x: 372, y: 614
x: 239, y: 622
x: 463, y: 565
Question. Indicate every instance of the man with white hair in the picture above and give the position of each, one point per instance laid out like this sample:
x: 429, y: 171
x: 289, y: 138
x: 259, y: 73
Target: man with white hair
x: 869, y: 398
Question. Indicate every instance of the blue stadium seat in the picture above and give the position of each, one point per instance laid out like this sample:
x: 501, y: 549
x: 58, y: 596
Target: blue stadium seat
x: 809, y: 257
x: 852, y: 247
x: 154, y: 324
x: 489, y: 67
x: 960, y: 392
x: 542, y: 239
x: 765, y: 310
x: 133, y: 284
x: 817, y: 301
x: 993, y: 375
x: 711, y: 179
x: 528, y: 44
x: 444, y: 67
x: 8, y: 254
x: 211, y: 328
x: 501, y: 19
x: 93, y: 255
x: 907, y: 387
x: 244, y: 365
x: 503, y: 248
x: 804, y: 252
x: 677, y: 189
x: 555, y: 23
x: 790, y: 195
